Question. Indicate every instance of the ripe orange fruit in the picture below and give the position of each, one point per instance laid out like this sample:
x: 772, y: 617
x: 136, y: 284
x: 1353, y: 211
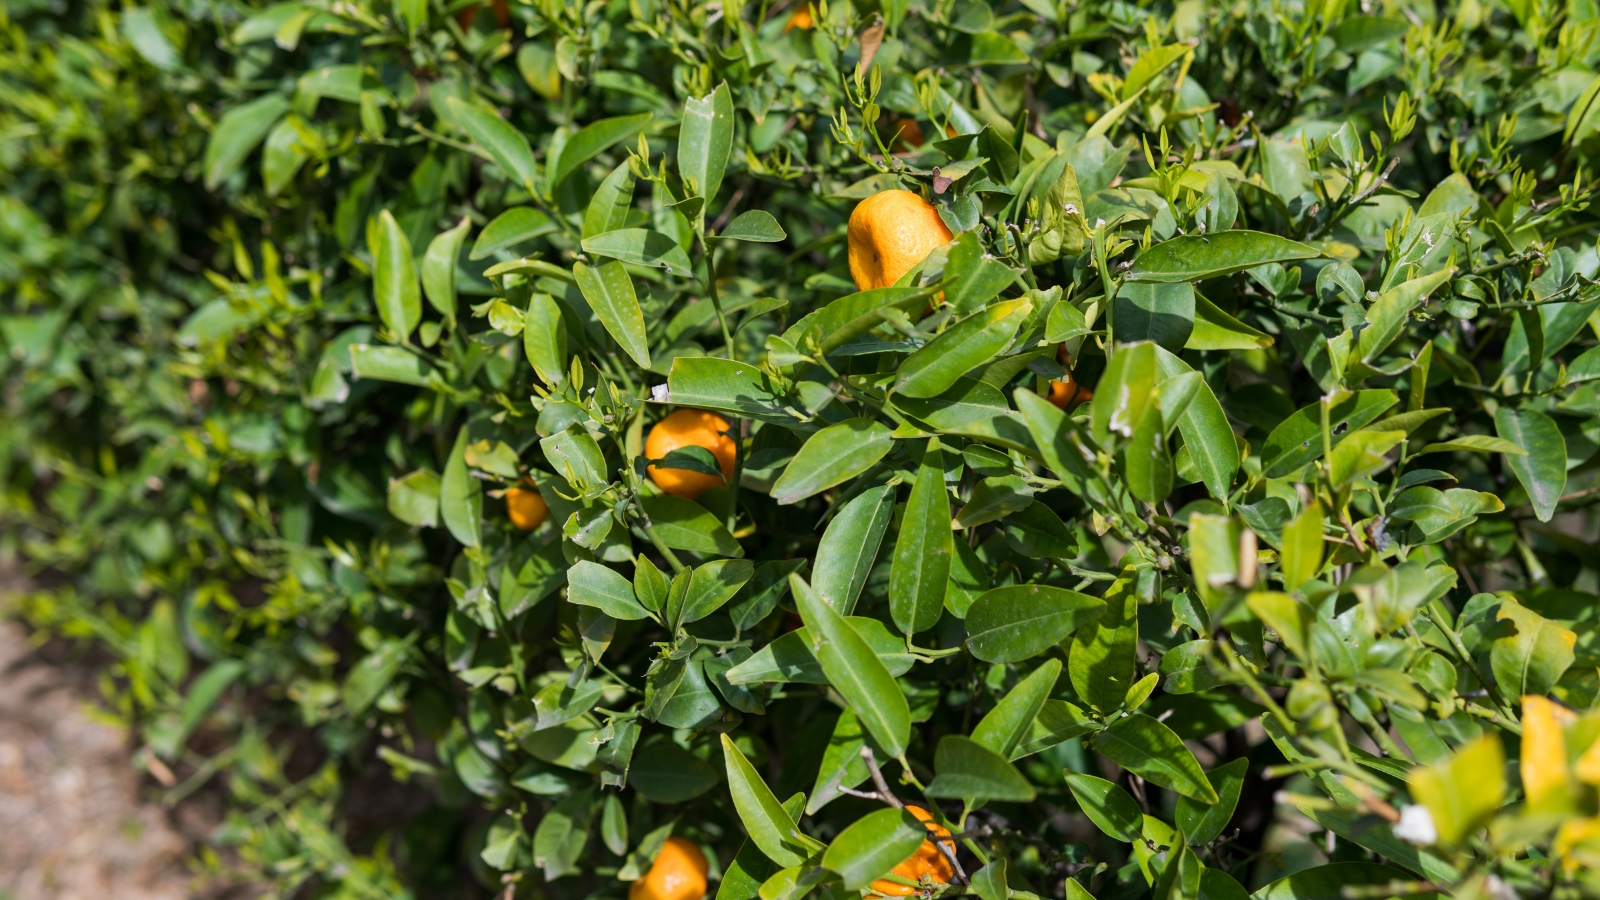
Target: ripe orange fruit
x: 679, y: 873
x: 910, y: 134
x: 1066, y: 393
x: 890, y: 232
x: 690, y: 428
x: 526, y: 508
x: 927, y: 861
x: 801, y: 19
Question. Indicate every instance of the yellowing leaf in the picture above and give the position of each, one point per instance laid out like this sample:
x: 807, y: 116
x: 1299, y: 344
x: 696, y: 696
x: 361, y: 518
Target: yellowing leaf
x: 1464, y: 791
x: 1544, y: 752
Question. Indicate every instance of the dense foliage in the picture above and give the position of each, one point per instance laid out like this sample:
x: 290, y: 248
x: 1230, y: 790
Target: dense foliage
x: 1302, y: 599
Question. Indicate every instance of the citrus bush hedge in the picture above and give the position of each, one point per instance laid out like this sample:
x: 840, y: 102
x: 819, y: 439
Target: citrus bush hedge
x: 1046, y: 450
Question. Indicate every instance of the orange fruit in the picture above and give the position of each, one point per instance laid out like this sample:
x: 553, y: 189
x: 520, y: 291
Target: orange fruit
x: 927, y: 861
x: 890, y: 232
x: 690, y: 428
x: 801, y: 19
x: 679, y: 873
x: 910, y: 133
x: 1066, y: 393
x: 526, y: 508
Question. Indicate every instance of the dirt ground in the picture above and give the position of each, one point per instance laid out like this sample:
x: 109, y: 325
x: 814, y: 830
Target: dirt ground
x: 75, y: 821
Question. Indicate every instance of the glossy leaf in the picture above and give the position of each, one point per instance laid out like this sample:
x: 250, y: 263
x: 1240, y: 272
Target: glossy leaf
x: 460, y: 496
x: 1297, y: 440
x: 766, y: 821
x: 510, y: 228
x: 1108, y: 806
x: 504, y: 143
x: 931, y: 370
x: 1104, y: 659
x: 1150, y: 750
x: 1202, y: 823
x: 920, y: 570
x: 439, y: 268
x: 395, y: 289
x: 592, y: 139
x: 855, y: 671
x: 966, y: 769
x: 592, y: 584
x: 872, y: 845
x: 1196, y: 258
x: 1013, y: 623
x: 832, y: 456
x: 1542, y: 467
x: 1005, y: 726
x: 705, y: 139
x: 609, y: 291
x: 849, y: 546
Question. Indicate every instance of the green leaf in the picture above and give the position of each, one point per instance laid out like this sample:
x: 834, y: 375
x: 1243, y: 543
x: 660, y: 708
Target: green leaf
x: 575, y: 456
x: 1104, y: 658
x: 1196, y: 257
x: 1360, y: 455
x: 1016, y: 622
x: 1542, y: 469
x: 608, y: 209
x: 641, y: 247
x: 510, y: 228
x: 370, y: 677
x: 921, y: 568
x: 832, y: 456
x: 1533, y: 654
x: 1387, y: 316
x: 1205, y: 430
x: 1297, y: 440
x: 1163, y: 313
x: 852, y: 315
x: 766, y: 821
x: 609, y: 291
x: 855, y: 671
x: 1058, y: 721
x: 712, y: 585
x: 1125, y: 390
x: 237, y: 133
x: 1108, y: 806
x: 385, y: 363
x: 726, y: 386
x: 872, y: 845
x: 1005, y: 726
x: 1474, y: 443
x: 969, y: 343
x: 592, y: 584
x: 1216, y: 330
x: 461, y: 495
x: 683, y: 524
x: 395, y: 290
x: 1036, y: 531
x: 1379, y: 837
x: 1202, y: 823
x: 789, y: 658
x: 1147, y: 463
x: 544, y: 338
x: 439, y: 268
x: 504, y: 143
x: 705, y: 137
x: 966, y: 769
x: 595, y: 138
x: 750, y: 868
x: 755, y: 225
x: 849, y: 547
x: 973, y: 277
x: 1150, y: 750
x: 1329, y: 881
x: 1301, y: 553
x: 1439, y: 514
x: 414, y: 498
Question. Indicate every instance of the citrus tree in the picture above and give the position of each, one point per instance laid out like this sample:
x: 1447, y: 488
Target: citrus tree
x: 1035, y: 450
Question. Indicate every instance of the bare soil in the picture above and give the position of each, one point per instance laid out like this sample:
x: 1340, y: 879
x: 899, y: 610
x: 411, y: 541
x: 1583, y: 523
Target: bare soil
x: 74, y: 824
